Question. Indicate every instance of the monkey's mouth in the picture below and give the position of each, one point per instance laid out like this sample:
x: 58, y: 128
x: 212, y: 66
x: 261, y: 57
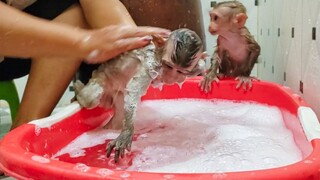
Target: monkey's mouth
x: 213, y: 32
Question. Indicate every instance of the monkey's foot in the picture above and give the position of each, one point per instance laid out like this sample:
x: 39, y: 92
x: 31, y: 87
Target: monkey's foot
x: 206, y: 83
x: 120, y: 144
x: 245, y: 82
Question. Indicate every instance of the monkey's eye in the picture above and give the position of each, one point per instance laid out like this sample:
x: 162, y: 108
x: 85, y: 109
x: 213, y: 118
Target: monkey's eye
x: 215, y: 17
x: 168, y: 66
x: 181, y: 72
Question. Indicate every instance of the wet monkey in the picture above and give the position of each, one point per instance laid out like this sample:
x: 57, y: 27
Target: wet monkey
x: 120, y: 83
x: 236, y: 51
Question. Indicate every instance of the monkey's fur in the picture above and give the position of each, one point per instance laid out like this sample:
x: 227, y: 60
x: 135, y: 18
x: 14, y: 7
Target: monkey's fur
x: 120, y: 83
x: 236, y: 51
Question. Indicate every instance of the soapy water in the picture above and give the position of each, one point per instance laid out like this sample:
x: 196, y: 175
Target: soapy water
x: 195, y: 136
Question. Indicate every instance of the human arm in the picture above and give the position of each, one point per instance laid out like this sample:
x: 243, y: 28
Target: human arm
x: 98, y: 13
x: 22, y: 35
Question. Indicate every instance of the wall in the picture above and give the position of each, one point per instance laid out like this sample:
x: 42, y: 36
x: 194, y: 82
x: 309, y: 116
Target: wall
x: 289, y: 55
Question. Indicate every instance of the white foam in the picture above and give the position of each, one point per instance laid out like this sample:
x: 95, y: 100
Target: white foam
x: 40, y: 159
x: 88, y: 139
x: 198, y: 136
x: 81, y: 167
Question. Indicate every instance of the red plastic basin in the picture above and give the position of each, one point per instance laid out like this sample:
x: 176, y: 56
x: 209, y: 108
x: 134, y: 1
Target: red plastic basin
x: 25, y: 152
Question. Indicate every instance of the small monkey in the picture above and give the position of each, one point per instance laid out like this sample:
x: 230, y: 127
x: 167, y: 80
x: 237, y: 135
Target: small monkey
x: 236, y: 51
x: 120, y: 82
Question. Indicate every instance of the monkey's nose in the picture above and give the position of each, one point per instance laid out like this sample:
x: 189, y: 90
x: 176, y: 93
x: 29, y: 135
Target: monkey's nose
x: 212, y: 31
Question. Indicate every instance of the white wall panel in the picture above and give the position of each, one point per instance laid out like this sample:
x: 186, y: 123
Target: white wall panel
x: 293, y: 67
x: 310, y: 16
x: 252, y: 24
x: 311, y: 78
x: 265, y: 39
x: 295, y: 59
x: 210, y: 40
x: 293, y: 63
x: 310, y: 61
x: 279, y: 67
x: 281, y: 49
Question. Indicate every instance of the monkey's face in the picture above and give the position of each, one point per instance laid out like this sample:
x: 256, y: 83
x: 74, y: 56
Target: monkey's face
x: 180, y: 56
x: 173, y: 73
x: 220, y: 20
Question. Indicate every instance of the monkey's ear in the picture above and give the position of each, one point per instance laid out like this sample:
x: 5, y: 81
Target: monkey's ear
x: 240, y: 20
x: 158, y: 41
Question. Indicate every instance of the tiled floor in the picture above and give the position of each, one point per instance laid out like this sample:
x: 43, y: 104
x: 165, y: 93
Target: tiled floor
x: 6, y: 178
x: 5, y: 124
x: 5, y: 121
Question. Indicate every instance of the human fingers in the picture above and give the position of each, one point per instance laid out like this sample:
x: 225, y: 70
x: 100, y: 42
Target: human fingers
x: 118, y: 47
x: 123, y: 45
x: 108, y: 42
x: 127, y: 31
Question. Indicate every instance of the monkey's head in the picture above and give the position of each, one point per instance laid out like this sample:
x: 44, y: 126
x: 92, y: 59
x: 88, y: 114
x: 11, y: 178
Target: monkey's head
x: 182, y: 56
x: 227, y: 16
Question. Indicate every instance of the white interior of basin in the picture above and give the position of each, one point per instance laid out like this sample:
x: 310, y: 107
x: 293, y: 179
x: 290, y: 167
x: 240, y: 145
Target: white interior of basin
x: 197, y: 136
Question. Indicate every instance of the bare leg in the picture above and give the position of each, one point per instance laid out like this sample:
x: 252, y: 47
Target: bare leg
x: 101, y: 13
x: 97, y: 16
x: 49, y: 77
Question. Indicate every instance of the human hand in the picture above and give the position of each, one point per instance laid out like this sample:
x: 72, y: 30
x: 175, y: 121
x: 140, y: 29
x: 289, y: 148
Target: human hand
x: 108, y: 42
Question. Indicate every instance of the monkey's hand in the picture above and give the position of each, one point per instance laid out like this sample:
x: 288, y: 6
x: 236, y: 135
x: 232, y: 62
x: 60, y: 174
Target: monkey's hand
x: 245, y: 82
x: 120, y: 144
x: 206, y: 82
